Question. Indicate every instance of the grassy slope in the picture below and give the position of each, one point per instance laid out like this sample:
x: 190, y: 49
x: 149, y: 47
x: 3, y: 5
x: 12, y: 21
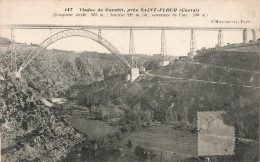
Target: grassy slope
x: 93, y: 128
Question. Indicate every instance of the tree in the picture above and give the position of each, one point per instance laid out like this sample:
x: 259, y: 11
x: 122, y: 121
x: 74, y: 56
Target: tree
x: 129, y: 144
x: 148, y: 116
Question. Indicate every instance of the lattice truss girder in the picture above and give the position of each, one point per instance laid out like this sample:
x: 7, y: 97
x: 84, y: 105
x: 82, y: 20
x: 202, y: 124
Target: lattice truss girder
x: 74, y: 32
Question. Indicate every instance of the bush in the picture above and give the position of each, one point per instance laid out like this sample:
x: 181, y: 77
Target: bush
x: 108, y: 154
x: 125, y: 128
x: 141, y: 153
x: 119, y: 135
x: 129, y: 144
x: 133, y: 128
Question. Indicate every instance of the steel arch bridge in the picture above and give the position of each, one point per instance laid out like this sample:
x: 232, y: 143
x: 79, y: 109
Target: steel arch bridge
x: 70, y: 33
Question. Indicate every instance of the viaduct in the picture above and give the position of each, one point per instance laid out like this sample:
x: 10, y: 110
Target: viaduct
x: 83, y: 31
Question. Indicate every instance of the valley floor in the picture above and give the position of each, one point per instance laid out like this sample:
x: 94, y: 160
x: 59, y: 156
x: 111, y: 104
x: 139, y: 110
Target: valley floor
x: 165, y: 141
x: 168, y: 143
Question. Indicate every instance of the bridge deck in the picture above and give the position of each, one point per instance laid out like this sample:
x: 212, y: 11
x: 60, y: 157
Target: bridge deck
x: 48, y: 26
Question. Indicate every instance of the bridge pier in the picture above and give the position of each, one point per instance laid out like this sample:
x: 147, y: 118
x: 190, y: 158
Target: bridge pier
x: 253, y: 35
x: 164, y: 61
x: 13, y: 66
x: 132, y: 49
x: 192, y: 45
x: 220, y: 38
x: 245, y: 36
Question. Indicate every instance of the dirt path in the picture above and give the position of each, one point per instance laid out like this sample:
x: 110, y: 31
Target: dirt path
x: 202, y: 81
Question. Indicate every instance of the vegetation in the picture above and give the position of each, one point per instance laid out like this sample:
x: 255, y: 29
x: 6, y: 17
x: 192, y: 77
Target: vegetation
x: 120, y: 108
x: 4, y: 41
x: 28, y: 128
x: 129, y: 144
x: 234, y: 59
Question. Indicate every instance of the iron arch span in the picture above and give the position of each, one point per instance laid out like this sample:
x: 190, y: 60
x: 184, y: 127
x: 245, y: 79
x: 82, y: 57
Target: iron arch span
x: 70, y: 33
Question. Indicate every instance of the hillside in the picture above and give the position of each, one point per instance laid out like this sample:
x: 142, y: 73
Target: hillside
x: 208, y: 84
x: 228, y: 80
x: 245, y: 60
x: 221, y: 66
x: 4, y: 41
x: 29, y: 130
x: 209, y: 72
x: 54, y: 71
x: 98, y: 95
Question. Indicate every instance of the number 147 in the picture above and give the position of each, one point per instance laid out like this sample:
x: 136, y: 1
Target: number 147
x: 68, y: 9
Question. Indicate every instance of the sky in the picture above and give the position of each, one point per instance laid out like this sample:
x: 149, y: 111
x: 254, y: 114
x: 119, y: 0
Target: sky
x: 146, y: 42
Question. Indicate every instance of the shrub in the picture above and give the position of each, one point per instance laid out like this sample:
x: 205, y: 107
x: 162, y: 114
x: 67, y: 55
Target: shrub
x: 125, y: 128
x: 119, y: 135
x: 141, y: 153
x: 129, y: 144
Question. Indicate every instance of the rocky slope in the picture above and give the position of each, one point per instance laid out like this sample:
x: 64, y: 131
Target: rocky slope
x: 29, y: 130
x: 54, y: 71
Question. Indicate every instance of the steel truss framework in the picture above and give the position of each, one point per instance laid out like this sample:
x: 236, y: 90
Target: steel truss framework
x: 69, y: 33
x: 82, y: 31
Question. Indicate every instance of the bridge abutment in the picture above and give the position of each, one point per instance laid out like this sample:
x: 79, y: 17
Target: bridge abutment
x: 163, y: 63
x: 257, y: 33
x: 252, y: 33
x: 134, y: 74
x: 18, y: 74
